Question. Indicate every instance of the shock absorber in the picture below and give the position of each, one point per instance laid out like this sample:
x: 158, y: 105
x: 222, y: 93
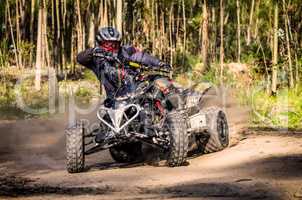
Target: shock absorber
x: 146, y: 117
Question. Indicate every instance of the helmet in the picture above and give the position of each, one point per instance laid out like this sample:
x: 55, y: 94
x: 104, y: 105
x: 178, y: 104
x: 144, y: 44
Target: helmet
x: 108, y: 34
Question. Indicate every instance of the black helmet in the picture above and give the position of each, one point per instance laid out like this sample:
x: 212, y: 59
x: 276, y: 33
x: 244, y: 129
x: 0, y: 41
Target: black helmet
x: 108, y: 34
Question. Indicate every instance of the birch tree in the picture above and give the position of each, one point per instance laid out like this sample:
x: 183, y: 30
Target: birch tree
x: 275, y: 50
x: 238, y: 32
x: 119, y: 15
x: 39, y: 51
x: 289, y: 57
x: 221, y: 38
x: 248, y: 40
x: 80, y: 38
x: 205, y: 36
x: 91, y: 17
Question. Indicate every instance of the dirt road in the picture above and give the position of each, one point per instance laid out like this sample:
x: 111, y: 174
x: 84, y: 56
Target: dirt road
x: 264, y: 165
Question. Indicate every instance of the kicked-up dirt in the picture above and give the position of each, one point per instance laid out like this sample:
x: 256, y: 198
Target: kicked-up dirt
x: 265, y: 164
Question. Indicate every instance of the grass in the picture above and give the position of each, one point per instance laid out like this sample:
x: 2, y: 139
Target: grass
x: 84, y: 91
x: 283, y: 110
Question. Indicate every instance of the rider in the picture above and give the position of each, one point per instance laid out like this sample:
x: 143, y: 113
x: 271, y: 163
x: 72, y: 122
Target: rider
x: 113, y: 75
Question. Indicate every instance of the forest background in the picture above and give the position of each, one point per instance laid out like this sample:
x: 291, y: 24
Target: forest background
x: 253, y: 47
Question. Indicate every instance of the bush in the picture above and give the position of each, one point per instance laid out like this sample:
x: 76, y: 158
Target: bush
x: 283, y: 110
x: 83, y: 95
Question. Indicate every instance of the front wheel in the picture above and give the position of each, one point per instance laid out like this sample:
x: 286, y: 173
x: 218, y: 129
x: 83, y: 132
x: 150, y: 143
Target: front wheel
x: 218, y: 130
x: 178, y: 139
x: 75, y: 149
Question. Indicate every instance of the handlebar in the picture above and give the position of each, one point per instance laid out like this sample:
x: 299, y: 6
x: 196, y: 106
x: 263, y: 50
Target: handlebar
x: 133, y: 65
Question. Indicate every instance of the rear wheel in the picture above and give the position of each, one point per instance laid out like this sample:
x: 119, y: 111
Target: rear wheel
x: 75, y: 149
x: 218, y: 130
x: 178, y: 139
x: 127, y: 152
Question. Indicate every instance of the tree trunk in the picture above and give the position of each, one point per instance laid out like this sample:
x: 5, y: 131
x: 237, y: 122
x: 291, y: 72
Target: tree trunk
x: 170, y: 34
x: 162, y: 35
x: 63, y: 28
x: 12, y: 33
x: 23, y: 19
x: 248, y: 40
x: 59, y: 34
x: 177, y: 23
x: 39, y: 54
x: 103, y: 15
x: 205, y: 36
x: 221, y: 39
x: 238, y: 32
x: 156, y: 28
x: 184, y: 25
x: 53, y: 15
x: 44, y: 37
x: 297, y: 77
x: 18, y: 35
x: 79, y: 28
x: 275, y: 51
x: 156, y: 17
x: 100, y: 14
x: 91, y: 30
x: 72, y: 51
x: 55, y: 34
x: 146, y: 22
x: 214, y: 35
x: 255, y: 32
x: 32, y: 24
x: 290, y: 65
x: 110, y: 13
x: 7, y: 33
x: 119, y: 15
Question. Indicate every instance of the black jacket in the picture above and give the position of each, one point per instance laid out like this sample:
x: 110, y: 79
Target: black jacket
x: 112, y: 76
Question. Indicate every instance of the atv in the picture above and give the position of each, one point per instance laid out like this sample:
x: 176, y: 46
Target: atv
x: 158, y: 113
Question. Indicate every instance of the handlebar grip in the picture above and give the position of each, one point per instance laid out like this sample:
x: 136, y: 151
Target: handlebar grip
x: 134, y: 64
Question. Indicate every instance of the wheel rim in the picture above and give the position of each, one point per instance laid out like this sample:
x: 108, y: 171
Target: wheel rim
x: 222, y: 128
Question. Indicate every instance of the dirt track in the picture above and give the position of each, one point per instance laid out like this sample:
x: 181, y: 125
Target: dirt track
x: 264, y: 165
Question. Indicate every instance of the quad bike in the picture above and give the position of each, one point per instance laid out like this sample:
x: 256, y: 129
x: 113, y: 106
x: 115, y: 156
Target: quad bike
x: 158, y: 113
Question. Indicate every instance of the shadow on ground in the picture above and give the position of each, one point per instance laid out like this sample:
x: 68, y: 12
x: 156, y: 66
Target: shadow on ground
x: 219, y: 190
x: 112, y: 165
x: 17, y: 186
x: 20, y: 187
x: 284, y: 167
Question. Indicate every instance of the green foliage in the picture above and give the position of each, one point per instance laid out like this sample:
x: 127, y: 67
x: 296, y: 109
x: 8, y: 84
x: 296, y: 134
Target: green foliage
x: 89, y: 75
x: 25, y: 48
x: 38, y: 100
x: 185, y: 62
x: 282, y: 111
x: 83, y: 95
x: 7, y: 95
x: 4, y: 54
x: 31, y: 98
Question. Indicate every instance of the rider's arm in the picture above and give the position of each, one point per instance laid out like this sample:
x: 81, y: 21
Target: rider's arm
x: 85, y: 58
x: 133, y: 55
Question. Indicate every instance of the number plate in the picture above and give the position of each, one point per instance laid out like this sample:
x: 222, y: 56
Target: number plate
x: 198, y: 121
